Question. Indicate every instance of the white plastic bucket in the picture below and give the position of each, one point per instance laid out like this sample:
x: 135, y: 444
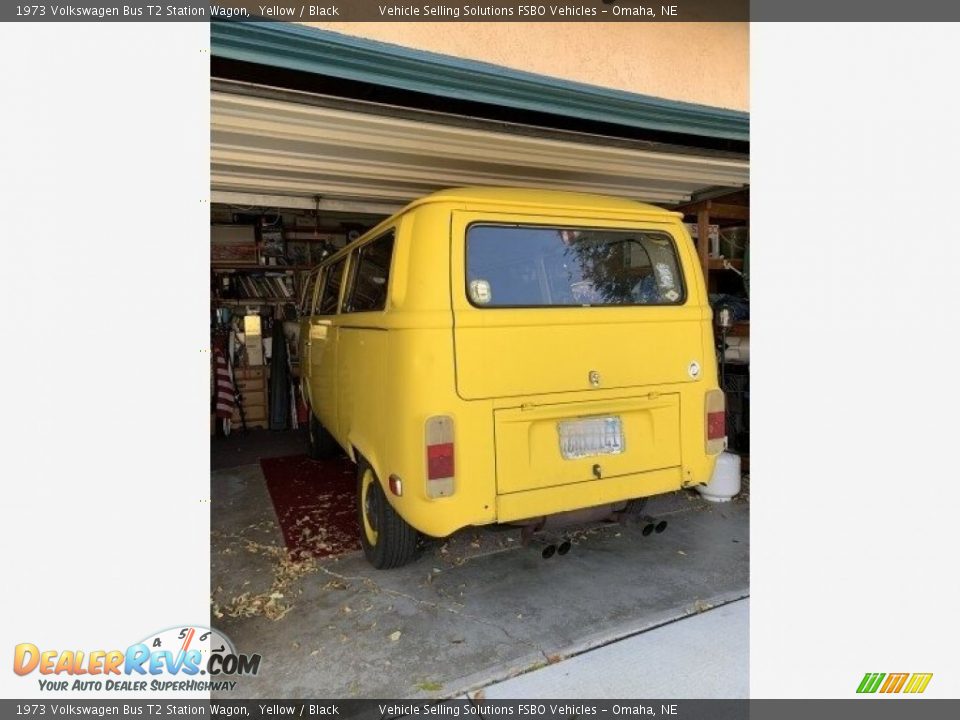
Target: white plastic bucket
x: 725, y: 482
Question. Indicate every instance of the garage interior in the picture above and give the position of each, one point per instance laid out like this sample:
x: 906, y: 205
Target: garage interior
x: 316, y: 137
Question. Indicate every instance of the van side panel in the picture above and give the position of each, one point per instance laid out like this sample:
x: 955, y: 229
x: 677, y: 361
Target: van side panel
x: 361, y: 381
x: 323, y: 364
x: 421, y: 383
x: 363, y: 367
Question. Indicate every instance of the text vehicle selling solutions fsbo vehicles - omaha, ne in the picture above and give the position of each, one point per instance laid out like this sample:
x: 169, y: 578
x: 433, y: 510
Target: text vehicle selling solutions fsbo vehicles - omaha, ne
x: 507, y: 355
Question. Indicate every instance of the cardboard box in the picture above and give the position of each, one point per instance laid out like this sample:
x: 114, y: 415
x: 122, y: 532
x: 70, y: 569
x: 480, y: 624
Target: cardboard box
x: 233, y: 245
x: 714, y: 237
x: 250, y: 373
x: 253, y: 398
x: 253, y: 339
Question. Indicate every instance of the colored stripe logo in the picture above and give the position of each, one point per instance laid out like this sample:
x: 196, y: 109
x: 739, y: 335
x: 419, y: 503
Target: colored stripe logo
x: 885, y: 683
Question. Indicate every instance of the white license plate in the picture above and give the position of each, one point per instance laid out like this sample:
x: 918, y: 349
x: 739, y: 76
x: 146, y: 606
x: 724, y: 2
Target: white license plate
x: 590, y: 436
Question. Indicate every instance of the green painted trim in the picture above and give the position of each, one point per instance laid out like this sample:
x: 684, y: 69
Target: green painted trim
x: 307, y: 49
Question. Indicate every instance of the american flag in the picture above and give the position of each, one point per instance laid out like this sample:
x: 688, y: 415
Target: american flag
x: 226, y: 398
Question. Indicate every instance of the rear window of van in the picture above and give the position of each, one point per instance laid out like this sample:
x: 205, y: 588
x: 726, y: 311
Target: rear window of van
x: 539, y: 266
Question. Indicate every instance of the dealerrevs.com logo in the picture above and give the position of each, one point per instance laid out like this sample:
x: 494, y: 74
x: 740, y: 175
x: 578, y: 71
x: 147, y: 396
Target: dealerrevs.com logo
x: 891, y: 683
x: 182, y: 659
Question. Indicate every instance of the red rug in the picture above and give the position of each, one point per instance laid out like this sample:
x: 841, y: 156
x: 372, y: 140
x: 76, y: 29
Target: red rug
x: 315, y: 504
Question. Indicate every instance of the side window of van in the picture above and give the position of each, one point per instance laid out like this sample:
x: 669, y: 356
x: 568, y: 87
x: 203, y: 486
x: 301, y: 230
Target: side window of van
x: 322, y: 273
x: 330, y: 293
x: 368, y: 288
x: 306, y: 299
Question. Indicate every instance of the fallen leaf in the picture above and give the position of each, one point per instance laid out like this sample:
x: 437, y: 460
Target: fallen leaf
x: 701, y: 606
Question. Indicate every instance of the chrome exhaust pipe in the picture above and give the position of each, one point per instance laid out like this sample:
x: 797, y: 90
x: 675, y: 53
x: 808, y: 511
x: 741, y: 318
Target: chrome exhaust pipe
x: 548, y: 545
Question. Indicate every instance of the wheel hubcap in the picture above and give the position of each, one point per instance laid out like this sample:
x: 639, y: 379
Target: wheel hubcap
x: 369, y: 507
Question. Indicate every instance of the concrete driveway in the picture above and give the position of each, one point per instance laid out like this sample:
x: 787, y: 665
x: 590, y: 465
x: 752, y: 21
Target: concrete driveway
x: 473, y: 610
x: 703, y: 656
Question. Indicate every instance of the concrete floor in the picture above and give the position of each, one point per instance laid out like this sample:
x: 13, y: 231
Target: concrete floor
x: 473, y: 610
x: 245, y: 448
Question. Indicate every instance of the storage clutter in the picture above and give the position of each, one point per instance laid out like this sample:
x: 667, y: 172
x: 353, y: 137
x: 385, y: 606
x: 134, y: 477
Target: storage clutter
x: 260, y: 259
x: 724, y: 220
x: 252, y: 362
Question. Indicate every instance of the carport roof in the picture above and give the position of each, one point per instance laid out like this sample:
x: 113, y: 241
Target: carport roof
x: 299, y: 48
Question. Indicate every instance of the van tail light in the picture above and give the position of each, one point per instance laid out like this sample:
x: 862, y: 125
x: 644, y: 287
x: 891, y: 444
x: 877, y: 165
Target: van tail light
x: 716, y: 422
x: 440, y: 456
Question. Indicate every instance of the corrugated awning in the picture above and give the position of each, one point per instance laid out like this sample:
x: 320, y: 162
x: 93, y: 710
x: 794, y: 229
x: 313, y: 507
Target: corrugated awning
x: 293, y: 151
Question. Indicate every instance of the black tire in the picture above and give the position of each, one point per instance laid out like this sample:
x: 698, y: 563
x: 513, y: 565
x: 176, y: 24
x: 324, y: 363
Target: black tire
x: 387, y: 540
x: 321, y: 445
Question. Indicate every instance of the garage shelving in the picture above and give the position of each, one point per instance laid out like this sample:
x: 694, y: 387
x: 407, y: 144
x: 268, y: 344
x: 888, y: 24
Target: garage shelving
x: 726, y: 210
x: 258, y: 284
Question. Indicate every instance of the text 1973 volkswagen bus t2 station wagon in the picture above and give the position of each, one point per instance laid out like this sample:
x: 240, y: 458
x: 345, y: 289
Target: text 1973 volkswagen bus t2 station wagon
x: 508, y: 355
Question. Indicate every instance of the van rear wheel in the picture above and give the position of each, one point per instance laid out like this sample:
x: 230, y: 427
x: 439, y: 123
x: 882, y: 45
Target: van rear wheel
x: 321, y: 445
x: 387, y: 540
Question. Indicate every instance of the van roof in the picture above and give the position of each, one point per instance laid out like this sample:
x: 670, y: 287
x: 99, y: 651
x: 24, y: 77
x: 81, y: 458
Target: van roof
x: 514, y: 198
x: 526, y: 197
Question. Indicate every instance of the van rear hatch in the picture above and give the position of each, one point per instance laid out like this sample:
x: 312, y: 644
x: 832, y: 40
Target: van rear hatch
x: 564, y: 308
x: 559, y: 309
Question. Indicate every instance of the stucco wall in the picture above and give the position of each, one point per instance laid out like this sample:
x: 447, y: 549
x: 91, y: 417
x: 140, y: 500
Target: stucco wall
x: 705, y: 63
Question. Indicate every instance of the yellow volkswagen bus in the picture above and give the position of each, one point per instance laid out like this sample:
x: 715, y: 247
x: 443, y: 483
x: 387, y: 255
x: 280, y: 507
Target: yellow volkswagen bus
x: 500, y: 355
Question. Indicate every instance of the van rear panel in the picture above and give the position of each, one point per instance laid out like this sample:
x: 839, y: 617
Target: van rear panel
x: 549, y: 445
x: 523, y: 352
x: 548, y: 311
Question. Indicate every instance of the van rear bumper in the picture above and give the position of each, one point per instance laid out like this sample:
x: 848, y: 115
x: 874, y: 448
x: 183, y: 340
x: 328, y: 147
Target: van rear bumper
x: 561, y: 498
